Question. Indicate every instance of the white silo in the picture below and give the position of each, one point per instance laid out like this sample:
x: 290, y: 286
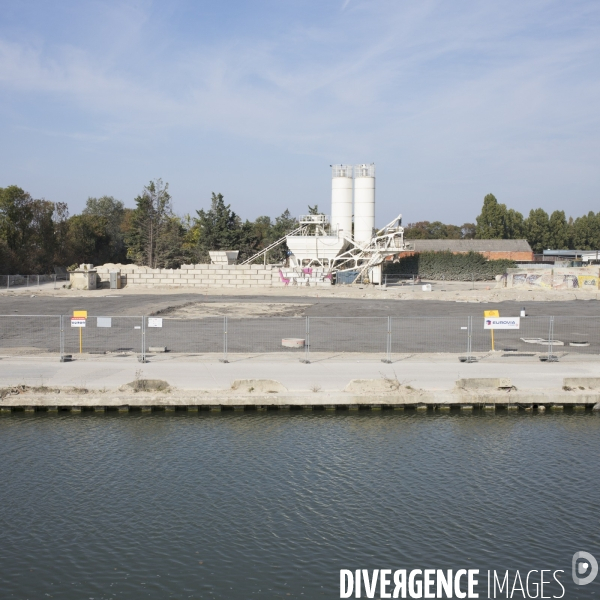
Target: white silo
x: 364, y: 203
x: 341, y: 199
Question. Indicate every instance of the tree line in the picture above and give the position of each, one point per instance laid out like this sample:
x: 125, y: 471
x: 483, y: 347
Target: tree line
x: 496, y: 221
x: 36, y: 235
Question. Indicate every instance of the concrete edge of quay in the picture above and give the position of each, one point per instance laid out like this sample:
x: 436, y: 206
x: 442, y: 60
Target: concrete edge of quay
x: 190, y: 400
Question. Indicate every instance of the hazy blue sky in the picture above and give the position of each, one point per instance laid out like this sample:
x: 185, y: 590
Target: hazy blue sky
x: 255, y: 99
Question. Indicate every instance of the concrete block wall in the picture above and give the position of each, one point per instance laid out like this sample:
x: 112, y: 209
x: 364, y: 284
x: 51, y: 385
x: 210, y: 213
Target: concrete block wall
x: 576, y: 278
x: 219, y: 275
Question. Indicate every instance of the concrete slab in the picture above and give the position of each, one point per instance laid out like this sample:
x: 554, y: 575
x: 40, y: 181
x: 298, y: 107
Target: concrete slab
x: 326, y: 372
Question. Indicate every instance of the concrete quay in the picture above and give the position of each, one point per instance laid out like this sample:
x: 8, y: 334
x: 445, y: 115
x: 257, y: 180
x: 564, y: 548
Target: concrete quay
x: 422, y: 382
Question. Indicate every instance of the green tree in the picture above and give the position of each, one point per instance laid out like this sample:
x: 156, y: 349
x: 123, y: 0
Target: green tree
x: 87, y: 240
x: 491, y: 222
x: 61, y: 234
x: 585, y: 232
x: 558, y: 231
x: 436, y: 230
x: 150, y: 221
x: 39, y: 257
x: 467, y: 231
x: 113, y: 212
x: 16, y: 215
x: 538, y: 230
x: 217, y: 228
x: 514, y: 225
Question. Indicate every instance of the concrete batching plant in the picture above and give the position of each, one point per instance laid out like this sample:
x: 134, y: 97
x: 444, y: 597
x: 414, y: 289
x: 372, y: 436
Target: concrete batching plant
x: 364, y: 203
x: 339, y: 244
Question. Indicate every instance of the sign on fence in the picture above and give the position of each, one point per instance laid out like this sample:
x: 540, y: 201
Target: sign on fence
x: 502, y: 323
x: 154, y: 322
x: 77, y: 321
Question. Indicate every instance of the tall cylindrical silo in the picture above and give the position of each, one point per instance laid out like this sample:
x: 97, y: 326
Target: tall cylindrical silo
x: 341, y: 199
x: 364, y: 203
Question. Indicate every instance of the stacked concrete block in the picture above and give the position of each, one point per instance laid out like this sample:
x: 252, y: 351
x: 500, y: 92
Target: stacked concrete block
x: 197, y: 275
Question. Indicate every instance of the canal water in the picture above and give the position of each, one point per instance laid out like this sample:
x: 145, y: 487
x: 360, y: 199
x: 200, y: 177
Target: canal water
x: 273, y: 505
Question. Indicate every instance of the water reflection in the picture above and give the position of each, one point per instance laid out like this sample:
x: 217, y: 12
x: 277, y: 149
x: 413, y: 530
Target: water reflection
x: 272, y: 505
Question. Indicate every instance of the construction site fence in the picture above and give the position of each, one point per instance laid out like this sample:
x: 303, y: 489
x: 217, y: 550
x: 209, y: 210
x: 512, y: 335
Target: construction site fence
x: 21, y: 281
x: 384, y: 337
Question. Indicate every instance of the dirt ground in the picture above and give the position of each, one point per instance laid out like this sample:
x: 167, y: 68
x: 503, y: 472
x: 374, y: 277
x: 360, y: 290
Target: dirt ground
x: 446, y: 298
x: 195, y: 310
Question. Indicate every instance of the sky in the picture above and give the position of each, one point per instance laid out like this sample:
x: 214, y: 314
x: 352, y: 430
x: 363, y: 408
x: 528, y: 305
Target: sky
x: 256, y: 99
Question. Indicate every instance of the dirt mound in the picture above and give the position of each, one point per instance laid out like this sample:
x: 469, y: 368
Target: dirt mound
x: 259, y: 386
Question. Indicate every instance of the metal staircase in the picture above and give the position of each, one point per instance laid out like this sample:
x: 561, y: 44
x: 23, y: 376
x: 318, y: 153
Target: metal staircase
x: 273, y: 245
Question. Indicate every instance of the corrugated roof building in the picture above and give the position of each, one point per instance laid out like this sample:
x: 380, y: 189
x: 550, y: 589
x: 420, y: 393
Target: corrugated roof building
x: 492, y: 249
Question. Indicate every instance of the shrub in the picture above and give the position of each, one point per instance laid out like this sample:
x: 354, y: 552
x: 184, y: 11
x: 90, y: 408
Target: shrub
x: 449, y: 266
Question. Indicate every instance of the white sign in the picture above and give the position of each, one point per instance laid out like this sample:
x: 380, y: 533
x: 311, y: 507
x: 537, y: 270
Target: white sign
x: 502, y: 322
x: 154, y: 322
x: 104, y: 322
x: 77, y: 322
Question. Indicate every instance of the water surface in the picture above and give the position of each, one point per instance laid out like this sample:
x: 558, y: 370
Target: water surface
x: 273, y: 505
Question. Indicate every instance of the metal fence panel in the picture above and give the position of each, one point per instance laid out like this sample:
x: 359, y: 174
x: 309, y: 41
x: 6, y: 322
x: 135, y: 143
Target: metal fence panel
x: 264, y: 335
x: 520, y: 340
x: 23, y: 334
x: 104, y: 334
x: 429, y: 334
x: 185, y: 335
x: 578, y: 334
x: 348, y: 334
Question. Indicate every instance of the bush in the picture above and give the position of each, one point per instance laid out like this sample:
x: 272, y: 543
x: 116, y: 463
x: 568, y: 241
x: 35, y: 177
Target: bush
x: 449, y: 266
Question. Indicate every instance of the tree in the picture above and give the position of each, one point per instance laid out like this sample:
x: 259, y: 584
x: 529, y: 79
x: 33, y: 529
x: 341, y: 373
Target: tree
x: 61, y: 234
x: 16, y: 214
x: 425, y: 230
x: 150, y: 220
x: 87, y: 240
x: 217, y: 228
x: 558, y: 231
x: 170, y: 248
x: 585, y: 232
x: 538, y: 230
x: 514, y: 225
x: 468, y: 231
x: 40, y: 254
x: 491, y: 223
x: 113, y: 212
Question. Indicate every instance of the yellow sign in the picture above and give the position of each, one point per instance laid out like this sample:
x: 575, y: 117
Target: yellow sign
x: 82, y: 314
x: 491, y: 313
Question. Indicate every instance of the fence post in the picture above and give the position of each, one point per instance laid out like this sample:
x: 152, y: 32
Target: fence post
x: 62, y: 339
x: 388, y: 350
x: 469, y: 337
x: 27, y: 281
x: 224, y: 359
x: 55, y: 281
x: 306, y: 359
x: 38, y: 281
x: 550, y: 341
x: 7, y: 281
x: 143, y: 357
